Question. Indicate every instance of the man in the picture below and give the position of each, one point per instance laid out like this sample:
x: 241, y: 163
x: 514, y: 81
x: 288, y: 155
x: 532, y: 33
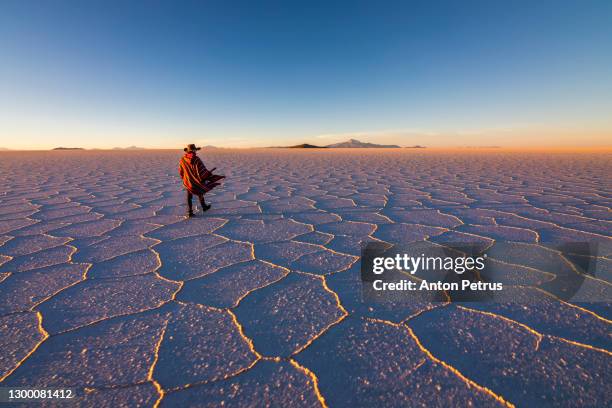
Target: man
x: 196, y: 178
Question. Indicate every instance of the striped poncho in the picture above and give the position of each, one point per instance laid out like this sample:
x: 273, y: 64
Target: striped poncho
x: 196, y: 178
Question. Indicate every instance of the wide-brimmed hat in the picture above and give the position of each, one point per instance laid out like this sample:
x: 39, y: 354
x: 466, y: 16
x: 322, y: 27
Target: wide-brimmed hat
x: 191, y: 148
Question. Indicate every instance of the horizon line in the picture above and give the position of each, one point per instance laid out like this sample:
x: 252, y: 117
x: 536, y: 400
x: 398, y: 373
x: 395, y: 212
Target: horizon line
x: 412, y: 147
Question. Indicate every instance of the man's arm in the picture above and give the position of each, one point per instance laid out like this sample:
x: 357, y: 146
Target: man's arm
x: 201, y: 168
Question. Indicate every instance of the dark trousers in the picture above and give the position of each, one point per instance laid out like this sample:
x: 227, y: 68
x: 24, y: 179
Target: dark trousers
x: 190, y: 203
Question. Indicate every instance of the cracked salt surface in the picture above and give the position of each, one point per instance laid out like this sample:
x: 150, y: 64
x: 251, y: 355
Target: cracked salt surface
x: 105, y: 287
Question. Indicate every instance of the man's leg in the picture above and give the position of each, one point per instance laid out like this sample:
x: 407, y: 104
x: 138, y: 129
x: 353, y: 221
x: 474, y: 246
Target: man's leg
x: 189, y: 204
x: 205, y: 207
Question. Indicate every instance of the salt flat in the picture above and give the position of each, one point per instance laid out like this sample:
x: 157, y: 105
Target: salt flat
x: 107, y: 288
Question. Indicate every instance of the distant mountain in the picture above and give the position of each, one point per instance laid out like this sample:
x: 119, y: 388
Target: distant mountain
x: 307, y: 146
x: 68, y: 148
x: 128, y: 148
x: 354, y: 143
x: 4, y: 149
x: 415, y: 147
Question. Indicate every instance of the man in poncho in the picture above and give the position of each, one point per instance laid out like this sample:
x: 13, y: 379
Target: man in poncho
x: 196, y: 178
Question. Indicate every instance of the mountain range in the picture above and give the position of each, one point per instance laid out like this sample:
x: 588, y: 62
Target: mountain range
x: 351, y: 144
x: 354, y: 143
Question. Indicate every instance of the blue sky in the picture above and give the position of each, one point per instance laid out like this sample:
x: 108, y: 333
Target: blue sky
x: 228, y: 73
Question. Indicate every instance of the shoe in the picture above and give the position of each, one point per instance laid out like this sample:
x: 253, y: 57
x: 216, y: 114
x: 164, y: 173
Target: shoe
x: 190, y: 214
x: 206, y: 207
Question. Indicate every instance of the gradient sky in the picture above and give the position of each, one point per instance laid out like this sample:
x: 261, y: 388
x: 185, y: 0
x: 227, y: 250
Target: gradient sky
x: 229, y: 73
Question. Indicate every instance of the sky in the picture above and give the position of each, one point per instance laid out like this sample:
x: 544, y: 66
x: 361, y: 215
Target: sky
x: 160, y: 74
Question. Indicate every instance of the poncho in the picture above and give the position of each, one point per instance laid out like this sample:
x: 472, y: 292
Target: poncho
x: 196, y: 177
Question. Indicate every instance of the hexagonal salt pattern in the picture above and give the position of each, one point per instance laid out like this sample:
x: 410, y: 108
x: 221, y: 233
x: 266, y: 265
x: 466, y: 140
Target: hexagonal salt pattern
x: 106, y: 287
